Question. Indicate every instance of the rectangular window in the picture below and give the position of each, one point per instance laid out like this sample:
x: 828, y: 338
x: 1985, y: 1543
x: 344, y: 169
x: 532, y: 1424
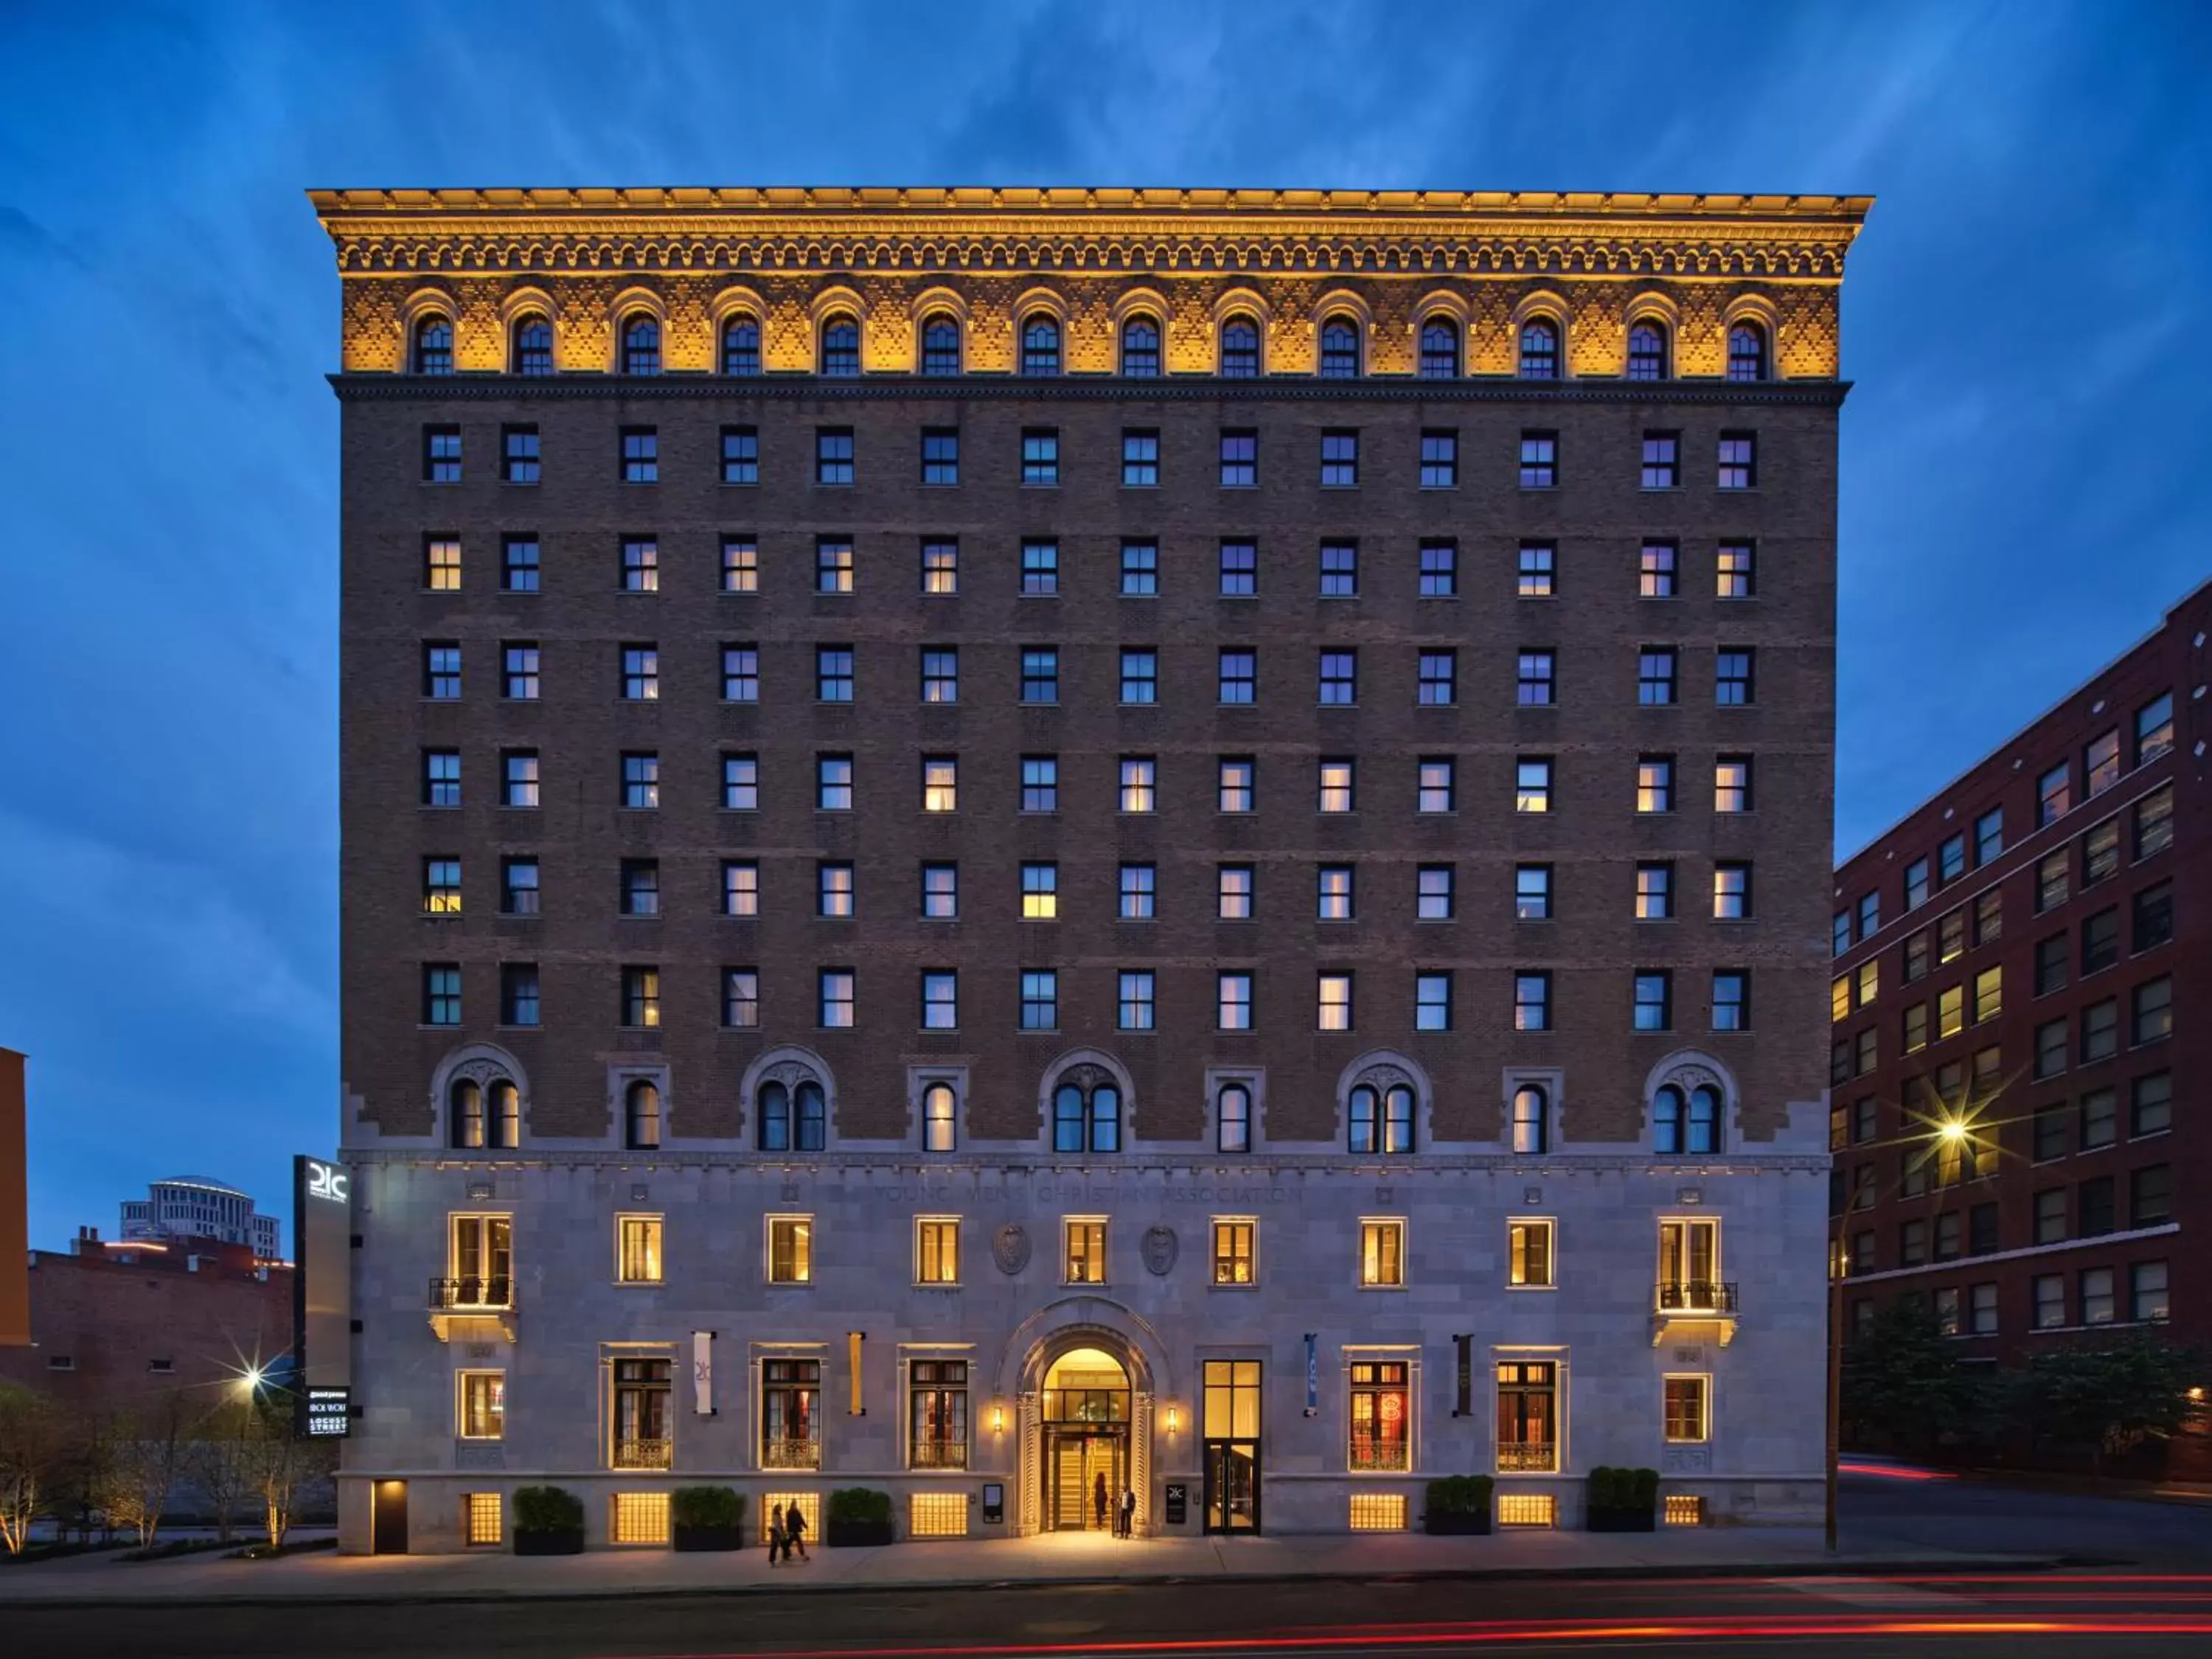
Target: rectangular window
x: 941, y: 892
x: 2147, y: 1301
x: 441, y: 454
x: 1738, y: 460
x: 1335, y: 787
x: 940, y: 1000
x: 1382, y: 1253
x: 1532, y: 787
x: 519, y: 779
x: 1040, y: 892
x: 1527, y: 1432
x: 1139, y: 783
x: 1082, y: 1251
x: 1332, y: 1002
x: 1141, y: 570
x: 640, y: 673
x: 833, y: 455
x: 1532, y: 1001
x: 1232, y: 1002
x: 483, y: 1519
x: 1133, y: 1007
x: 2150, y: 1104
x: 640, y: 887
x: 1916, y: 886
x: 1340, y: 459
x: 2100, y: 1031
x: 1040, y: 999
x: 441, y: 563
x: 1731, y: 998
x: 1540, y: 461
x: 1662, y: 460
x: 1732, y: 677
x: 640, y: 565
x: 833, y: 783
x: 2097, y: 1304
x: 1539, y: 566
x: 1655, y: 783
x: 1434, y: 787
x: 1240, y: 570
x: 2100, y: 941
x: 1439, y: 459
x: 1239, y: 677
x: 940, y: 783
x: 1438, y: 684
x: 1338, y: 677
x: 1040, y: 569
x: 1140, y: 681
x: 790, y: 1253
x: 441, y: 670
x: 1989, y: 835
x: 1233, y: 887
x: 518, y: 454
x: 518, y: 886
x: 2101, y: 763
x: 1137, y: 892
x: 833, y: 891
x: 833, y: 565
x: 2154, y: 729
x: 1684, y: 1410
x: 1433, y: 890
x: 1654, y: 999
x: 2050, y: 1302
x: 2152, y: 917
x: 1732, y: 571
x: 936, y: 1262
x: 1654, y: 676
x: 1432, y: 1002
x: 1234, y: 1262
x: 1536, y: 679
x: 741, y: 998
x: 2151, y: 1012
x: 637, y: 1250
x: 2155, y: 822
x: 740, y: 565
x: 940, y: 568
x: 1655, y: 571
x: 1140, y: 459
x: 1439, y: 572
x: 483, y: 1405
x: 1989, y: 994
x: 1529, y: 1254
x: 1235, y: 780
x: 1339, y: 570
x: 1240, y: 458
x: 740, y: 455
x: 941, y: 673
x: 519, y: 567
x: 1040, y: 783
x: 1988, y: 917
x: 1334, y: 893
x: 1655, y: 892
x: 640, y: 455
x: 2053, y: 795
x: 940, y: 455
x: 1040, y: 675
x: 833, y: 673
x: 1951, y: 859
x: 1040, y: 455
x: 834, y: 986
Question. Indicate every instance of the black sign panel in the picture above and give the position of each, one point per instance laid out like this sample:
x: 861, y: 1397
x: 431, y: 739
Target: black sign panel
x: 1178, y: 1504
x: 325, y: 1413
x: 994, y: 1504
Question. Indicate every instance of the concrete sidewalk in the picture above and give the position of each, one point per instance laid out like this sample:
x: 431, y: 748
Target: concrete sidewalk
x: 490, y: 1575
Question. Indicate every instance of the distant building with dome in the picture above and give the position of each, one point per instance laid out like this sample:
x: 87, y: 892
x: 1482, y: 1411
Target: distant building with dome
x: 196, y: 1207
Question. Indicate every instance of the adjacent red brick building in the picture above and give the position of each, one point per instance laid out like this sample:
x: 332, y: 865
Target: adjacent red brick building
x: 2018, y: 1114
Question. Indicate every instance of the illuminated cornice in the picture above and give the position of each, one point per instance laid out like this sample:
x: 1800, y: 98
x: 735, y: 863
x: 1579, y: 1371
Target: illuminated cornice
x: 1392, y: 259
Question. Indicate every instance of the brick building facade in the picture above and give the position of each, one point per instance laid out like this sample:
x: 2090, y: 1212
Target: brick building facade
x: 2016, y: 1118
x: 872, y: 712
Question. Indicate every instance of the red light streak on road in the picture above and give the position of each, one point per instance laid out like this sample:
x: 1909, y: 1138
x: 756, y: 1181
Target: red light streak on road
x: 1894, y: 1472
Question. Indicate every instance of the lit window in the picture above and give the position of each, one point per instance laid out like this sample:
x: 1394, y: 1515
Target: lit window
x: 1082, y: 1254
x: 1686, y: 1403
x: 1040, y: 892
x: 1336, y: 787
x: 1529, y: 1254
x: 1655, y: 571
x: 1233, y: 892
x: 1233, y: 1002
x: 790, y: 1250
x: 1433, y: 892
x: 1334, y: 893
x: 1538, y: 567
x: 483, y: 1405
x: 1333, y: 996
x: 1731, y: 892
x: 941, y: 784
x: 1532, y: 790
x: 939, y: 1120
x: 936, y: 1250
x: 1382, y: 1253
x: 833, y: 566
x: 641, y: 1004
x: 637, y: 1247
x: 1732, y: 571
x: 1233, y: 1262
x: 1655, y: 892
x: 1234, y: 786
x: 1140, y: 778
x: 1435, y: 787
x: 1531, y: 1011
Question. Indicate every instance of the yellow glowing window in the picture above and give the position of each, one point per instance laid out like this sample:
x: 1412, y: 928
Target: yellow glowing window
x: 638, y: 1261
x: 936, y: 1250
x: 1688, y: 1406
x: 808, y: 1504
x: 790, y: 1250
x: 1526, y: 1509
x: 1840, y: 997
x: 483, y: 1405
x: 1085, y: 1253
x: 940, y: 785
x: 1869, y: 981
x: 444, y: 572
x: 1383, y: 1252
x: 1378, y: 1511
x: 1040, y: 892
x: 1683, y: 1508
x: 1528, y: 1254
x: 482, y: 1517
x: 1232, y: 1252
x: 936, y: 1515
x: 640, y: 1517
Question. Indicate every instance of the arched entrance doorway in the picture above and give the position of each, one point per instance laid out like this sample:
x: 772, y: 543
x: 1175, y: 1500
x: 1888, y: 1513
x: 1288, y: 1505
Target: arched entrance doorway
x: 1084, y: 1414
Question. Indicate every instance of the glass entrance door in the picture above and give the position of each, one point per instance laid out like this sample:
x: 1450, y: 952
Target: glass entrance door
x: 1232, y: 1433
x: 1085, y: 1475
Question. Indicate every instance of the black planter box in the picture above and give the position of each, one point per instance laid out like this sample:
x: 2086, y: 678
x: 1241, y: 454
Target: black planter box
x: 840, y: 1534
x: 731, y: 1537
x: 1457, y: 1526
x: 1620, y: 1521
x: 569, y: 1542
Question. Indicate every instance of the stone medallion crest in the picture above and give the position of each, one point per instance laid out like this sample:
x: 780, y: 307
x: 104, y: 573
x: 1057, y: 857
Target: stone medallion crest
x: 1160, y: 1249
x: 1010, y: 1248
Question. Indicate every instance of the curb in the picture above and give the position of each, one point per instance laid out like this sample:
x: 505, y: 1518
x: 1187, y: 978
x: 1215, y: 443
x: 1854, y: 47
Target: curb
x: 1839, y: 1567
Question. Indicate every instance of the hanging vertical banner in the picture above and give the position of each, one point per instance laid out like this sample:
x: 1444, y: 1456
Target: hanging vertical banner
x: 1466, y: 1381
x: 1313, y: 1373
x: 853, y: 1340
x: 702, y: 1373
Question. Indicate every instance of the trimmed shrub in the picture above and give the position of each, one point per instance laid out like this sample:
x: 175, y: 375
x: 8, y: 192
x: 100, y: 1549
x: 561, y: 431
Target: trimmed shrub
x: 547, y: 1508
x: 706, y: 1506
x: 861, y: 1504
x: 1460, y: 1494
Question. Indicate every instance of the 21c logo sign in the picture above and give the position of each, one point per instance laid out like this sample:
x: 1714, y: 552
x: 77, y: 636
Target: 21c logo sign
x: 327, y: 1181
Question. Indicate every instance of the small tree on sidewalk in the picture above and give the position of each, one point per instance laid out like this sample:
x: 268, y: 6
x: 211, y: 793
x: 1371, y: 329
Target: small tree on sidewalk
x: 218, y: 1463
x: 146, y: 1456
x: 279, y: 1463
x: 1903, y: 1381
x: 2110, y: 1399
x: 29, y: 1447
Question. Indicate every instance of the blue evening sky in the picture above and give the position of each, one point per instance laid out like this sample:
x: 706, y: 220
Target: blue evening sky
x: 2025, y: 475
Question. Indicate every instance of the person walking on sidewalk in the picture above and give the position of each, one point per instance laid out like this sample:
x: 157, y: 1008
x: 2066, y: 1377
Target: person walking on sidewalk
x: 794, y: 1523
x: 1125, y: 1519
x: 777, y: 1545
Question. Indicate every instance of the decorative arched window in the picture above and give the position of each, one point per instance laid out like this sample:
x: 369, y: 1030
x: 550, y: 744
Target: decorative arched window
x: 792, y: 1119
x: 1685, y: 1123
x: 641, y: 343
x: 840, y: 346
x: 1141, y: 348
x: 1380, y: 1120
x: 1232, y: 1118
x: 1041, y: 345
x: 433, y: 345
x: 774, y: 1111
x: 1340, y: 348
x: 504, y: 1123
x: 641, y: 1117
x: 1647, y: 352
x: 741, y: 345
x: 1240, y: 349
x: 940, y: 346
x: 1439, y: 350
x: 533, y: 344
x: 1540, y: 350
x: 1086, y: 1117
x: 1532, y: 1125
x: 1746, y: 352
x: 939, y: 1118
x: 467, y: 1114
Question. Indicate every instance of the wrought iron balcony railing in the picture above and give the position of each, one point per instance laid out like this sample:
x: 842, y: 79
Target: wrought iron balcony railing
x: 939, y: 1454
x: 1528, y: 1457
x: 643, y: 1455
x: 1708, y: 1296
x: 791, y: 1453
x: 473, y: 1291
x: 1383, y: 1455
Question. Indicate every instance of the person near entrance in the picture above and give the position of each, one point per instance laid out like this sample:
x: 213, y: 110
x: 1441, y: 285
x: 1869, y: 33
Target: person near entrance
x: 1125, y: 1518
x: 1098, y: 1499
x: 794, y: 1522
x: 776, y: 1536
